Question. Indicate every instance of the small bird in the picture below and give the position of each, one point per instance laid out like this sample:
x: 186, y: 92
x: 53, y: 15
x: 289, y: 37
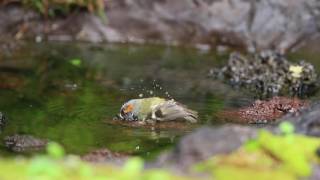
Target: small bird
x: 156, y: 109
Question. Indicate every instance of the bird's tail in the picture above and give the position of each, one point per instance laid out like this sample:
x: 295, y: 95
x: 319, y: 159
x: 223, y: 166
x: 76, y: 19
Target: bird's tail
x: 173, y: 111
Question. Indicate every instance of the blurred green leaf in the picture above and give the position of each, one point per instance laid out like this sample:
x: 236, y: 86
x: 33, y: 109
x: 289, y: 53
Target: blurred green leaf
x: 133, y: 166
x: 44, y: 167
x: 76, y: 62
x: 55, y: 150
x: 251, y: 145
x: 286, y: 127
x: 295, y: 152
x: 158, y: 175
x: 274, y: 157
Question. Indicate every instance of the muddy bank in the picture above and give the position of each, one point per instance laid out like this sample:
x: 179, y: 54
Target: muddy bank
x: 247, y: 24
x: 265, y: 111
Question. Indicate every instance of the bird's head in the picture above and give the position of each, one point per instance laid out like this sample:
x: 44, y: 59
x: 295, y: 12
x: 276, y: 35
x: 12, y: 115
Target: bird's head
x: 127, y: 112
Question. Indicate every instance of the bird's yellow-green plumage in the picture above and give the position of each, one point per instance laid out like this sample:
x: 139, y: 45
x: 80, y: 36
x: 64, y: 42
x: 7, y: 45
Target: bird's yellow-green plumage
x: 147, y: 104
x: 156, y: 109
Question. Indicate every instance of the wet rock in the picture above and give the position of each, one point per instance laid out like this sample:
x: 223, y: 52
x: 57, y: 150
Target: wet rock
x: 242, y: 23
x: 24, y: 143
x: 105, y: 156
x: 237, y: 23
x: 11, y: 81
x: 308, y: 122
x: 268, y: 74
x: 265, y: 111
x: 315, y: 172
x: 205, y: 143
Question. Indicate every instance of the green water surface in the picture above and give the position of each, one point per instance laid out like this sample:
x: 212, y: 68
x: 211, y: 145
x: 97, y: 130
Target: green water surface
x: 69, y: 92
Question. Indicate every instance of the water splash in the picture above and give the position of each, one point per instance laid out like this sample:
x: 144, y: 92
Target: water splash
x: 155, y: 90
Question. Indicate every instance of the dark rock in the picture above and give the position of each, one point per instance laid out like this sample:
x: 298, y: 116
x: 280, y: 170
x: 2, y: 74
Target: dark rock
x: 205, y: 143
x: 105, y: 156
x: 244, y: 23
x: 24, y: 143
x: 318, y: 152
x: 268, y: 74
x: 2, y: 121
x: 264, y: 111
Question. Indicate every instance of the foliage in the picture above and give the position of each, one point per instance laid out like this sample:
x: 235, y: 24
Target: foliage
x: 286, y: 128
x: 50, y: 7
x: 55, y: 150
x: 267, y: 157
x: 76, y: 62
x: 71, y: 167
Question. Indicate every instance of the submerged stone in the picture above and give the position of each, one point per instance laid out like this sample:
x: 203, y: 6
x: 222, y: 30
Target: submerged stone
x: 105, y: 156
x: 268, y: 74
x: 24, y: 143
x: 11, y: 80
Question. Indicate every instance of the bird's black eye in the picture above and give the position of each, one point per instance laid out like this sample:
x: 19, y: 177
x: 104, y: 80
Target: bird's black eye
x: 158, y: 113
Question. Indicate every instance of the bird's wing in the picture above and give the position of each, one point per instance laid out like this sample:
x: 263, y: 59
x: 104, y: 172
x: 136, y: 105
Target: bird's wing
x: 171, y: 110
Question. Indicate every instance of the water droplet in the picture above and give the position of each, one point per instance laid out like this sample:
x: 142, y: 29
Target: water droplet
x: 38, y: 39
